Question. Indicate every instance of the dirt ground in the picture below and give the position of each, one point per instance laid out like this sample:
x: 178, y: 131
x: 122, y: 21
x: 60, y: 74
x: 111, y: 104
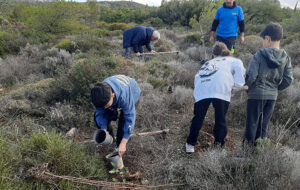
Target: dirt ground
x: 132, y: 171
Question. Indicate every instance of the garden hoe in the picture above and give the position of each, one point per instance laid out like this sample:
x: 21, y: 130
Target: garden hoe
x: 161, y: 53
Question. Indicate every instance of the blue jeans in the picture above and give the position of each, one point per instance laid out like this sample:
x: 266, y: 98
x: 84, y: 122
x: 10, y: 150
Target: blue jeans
x: 127, y: 53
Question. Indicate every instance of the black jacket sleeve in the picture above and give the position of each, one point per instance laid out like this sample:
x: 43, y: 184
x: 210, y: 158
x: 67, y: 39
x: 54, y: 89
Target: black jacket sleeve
x: 215, y: 25
x: 242, y: 26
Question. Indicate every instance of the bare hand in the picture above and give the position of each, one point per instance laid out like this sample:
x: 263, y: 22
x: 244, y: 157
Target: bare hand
x: 122, y: 147
x: 212, y: 39
x: 242, y: 39
x: 138, y: 54
x: 154, y: 52
x: 246, y: 87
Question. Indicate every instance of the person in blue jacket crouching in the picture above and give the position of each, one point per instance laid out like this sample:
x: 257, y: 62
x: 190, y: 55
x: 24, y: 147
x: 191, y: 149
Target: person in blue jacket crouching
x: 115, y: 93
x: 137, y: 37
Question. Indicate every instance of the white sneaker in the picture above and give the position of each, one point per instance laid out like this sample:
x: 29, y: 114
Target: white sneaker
x: 189, y: 148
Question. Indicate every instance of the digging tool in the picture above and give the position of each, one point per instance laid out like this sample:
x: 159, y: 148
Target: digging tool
x: 161, y: 53
x: 164, y: 132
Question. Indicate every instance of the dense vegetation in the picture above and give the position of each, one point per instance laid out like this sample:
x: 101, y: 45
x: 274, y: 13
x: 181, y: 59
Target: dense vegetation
x: 53, y: 52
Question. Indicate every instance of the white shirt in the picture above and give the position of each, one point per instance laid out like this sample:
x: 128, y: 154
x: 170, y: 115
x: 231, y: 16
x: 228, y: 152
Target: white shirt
x: 218, y: 77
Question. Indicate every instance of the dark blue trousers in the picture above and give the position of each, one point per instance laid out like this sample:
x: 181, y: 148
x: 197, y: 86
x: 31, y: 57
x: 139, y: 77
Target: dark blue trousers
x: 200, y: 109
x: 259, y: 113
x: 230, y: 41
x: 128, y: 52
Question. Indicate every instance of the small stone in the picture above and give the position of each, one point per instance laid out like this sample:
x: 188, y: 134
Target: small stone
x: 145, y: 182
x: 72, y: 133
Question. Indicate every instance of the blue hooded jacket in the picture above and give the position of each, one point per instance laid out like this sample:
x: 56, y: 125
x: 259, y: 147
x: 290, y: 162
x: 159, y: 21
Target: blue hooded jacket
x: 136, y: 37
x: 127, y: 93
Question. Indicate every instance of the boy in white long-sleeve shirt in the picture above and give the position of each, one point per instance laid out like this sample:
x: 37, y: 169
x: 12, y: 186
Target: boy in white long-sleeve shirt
x: 214, y: 84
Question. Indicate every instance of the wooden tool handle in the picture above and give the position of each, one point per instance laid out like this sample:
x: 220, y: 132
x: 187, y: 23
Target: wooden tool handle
x: 160, y: 53
x: 165, y: 131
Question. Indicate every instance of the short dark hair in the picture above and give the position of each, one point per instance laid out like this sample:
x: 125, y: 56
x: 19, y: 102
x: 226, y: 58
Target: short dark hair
x: 274, y: 30
x: 101, y: 94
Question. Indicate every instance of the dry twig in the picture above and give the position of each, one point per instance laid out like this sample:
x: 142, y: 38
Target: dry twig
x: 42, y: 172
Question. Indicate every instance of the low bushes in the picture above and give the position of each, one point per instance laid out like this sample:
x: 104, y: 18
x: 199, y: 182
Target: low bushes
x: 86, y: 42
x: 76, y: 84
x: 195, y: 38
x: 162, y: 45
x: 23, y: 151
x: 119, y: 26
x: 11, y: 43
x: 34, y: 62
x: 68, y: 45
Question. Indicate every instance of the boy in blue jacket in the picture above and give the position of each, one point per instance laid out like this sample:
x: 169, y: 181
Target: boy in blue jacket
x: 137, y: 37
x: 116, y: 93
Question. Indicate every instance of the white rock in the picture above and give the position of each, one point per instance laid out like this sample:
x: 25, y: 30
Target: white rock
x: 73, y: 132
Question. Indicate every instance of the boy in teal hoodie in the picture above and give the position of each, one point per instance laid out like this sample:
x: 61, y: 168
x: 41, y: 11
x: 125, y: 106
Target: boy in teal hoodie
x: 270, y: 70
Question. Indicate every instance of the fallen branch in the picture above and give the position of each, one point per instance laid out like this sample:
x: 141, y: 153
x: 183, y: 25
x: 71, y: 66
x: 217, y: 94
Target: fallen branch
x: 41, y: 172
x: 161, y: 53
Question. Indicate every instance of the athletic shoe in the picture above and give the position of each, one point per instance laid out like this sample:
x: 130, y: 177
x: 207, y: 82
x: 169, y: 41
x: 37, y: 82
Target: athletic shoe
x: 189, y: 148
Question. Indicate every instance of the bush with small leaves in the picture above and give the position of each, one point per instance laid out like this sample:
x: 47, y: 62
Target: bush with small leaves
x: 119, y: 26
x: 68, y: 45
x: 87, y: 42
x: 293, y: 50
x: 27, y: 150
x: 182, y: 97
x: 195, y: 38
x: 169, y: 35
x: 155, y: 22
x: 162, y: 45
x: 11, y: 43
x: 198, y: 53
x: 251, y: 44
x: 33, y: 62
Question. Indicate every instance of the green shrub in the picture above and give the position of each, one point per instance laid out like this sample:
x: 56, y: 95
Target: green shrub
x: 157, y: 83
x: 162, y: 45
x: 102, y: 24
x: 111, y: 62
x: 292, y: 38
x: 28, y: 99
x: 158, y: 69
x: 11, y: 43
x: 101, y: 32
x: 117, y: 33
x: 9, y: 158
x: 36, y: 37
x: 68, y: 45
x: 193, y: 38
x: 24, y: 151
x: 119, y: 26
x: 82, y: 75
x: 87, y: 42
x: 155, y: 22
